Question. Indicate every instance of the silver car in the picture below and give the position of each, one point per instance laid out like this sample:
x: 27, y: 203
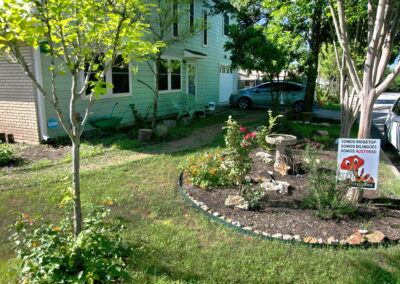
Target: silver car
x: 283, y: 94
x: 392, y: 125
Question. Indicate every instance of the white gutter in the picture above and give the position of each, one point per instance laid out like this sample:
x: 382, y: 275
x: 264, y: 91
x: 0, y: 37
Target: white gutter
x: 40, y: 99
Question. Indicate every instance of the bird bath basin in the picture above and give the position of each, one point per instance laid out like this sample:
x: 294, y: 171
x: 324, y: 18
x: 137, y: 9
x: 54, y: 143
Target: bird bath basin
x: 282, y: 159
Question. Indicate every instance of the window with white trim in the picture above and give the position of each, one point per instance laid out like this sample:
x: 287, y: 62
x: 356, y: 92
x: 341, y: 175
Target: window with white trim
x: 205, y: 28
x: 191, y: 14
x: 175, y: 15
x: 170, y: 75
x: 118, y: 76
x: 226, y: 24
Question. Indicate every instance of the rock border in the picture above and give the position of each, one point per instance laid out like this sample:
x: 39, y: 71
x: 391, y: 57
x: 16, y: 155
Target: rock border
x: 292, y: 239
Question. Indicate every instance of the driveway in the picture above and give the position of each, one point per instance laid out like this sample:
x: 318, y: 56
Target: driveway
x: 381, y: 108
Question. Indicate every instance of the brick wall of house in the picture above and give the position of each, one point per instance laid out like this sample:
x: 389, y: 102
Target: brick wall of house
x: 18, y: 102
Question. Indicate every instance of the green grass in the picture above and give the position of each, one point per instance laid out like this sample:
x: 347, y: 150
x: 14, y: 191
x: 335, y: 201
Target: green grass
x: 331, y: 106
x: 175, y: 244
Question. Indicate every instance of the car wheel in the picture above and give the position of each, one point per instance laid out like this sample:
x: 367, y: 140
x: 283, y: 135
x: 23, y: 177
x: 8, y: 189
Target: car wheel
x: 244, y: 103
x: 298, y: 107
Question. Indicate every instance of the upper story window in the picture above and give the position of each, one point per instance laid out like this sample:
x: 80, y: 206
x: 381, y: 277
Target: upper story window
x: 226, y: 24
x: 118, y: 76
x: 205, y: 28
x: 170, y: 75
x: 191, y: 14
x: 175, y: 15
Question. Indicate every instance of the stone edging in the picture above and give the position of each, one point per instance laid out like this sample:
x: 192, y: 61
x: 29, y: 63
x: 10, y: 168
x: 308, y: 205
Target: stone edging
x: 201, y: 207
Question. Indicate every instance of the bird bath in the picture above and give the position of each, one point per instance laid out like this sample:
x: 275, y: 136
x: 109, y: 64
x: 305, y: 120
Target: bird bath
x: 282, y: 160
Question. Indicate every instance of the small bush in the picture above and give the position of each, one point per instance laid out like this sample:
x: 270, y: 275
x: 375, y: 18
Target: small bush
x: 7, y: 155
x: 266, y: 130
x: 326, y: 197
x: 48, y: 253
x: 253, y: 195
x: 208, y: 170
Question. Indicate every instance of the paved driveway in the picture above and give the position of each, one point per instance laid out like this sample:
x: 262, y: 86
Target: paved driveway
x: 381, y: 108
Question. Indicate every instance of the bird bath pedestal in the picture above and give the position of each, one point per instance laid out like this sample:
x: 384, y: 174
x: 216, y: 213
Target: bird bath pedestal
x: 282, y: 159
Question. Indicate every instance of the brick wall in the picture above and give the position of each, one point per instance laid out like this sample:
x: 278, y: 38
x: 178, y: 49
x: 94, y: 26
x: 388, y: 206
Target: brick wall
x: 18, y: 103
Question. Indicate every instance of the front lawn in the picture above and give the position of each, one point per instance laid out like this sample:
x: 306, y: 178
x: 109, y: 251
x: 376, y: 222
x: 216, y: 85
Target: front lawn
x: 175, y: 244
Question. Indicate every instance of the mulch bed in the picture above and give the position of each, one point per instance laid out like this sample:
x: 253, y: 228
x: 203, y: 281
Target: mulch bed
x: 284, y: 214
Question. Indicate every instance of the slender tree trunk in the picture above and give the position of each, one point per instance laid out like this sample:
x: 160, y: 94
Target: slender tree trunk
x: 367, y: 104
x: 312, y: 68
x: 76, y: 187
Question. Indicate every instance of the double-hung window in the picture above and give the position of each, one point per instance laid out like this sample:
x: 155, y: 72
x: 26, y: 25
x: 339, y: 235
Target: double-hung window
x: 170, y: 75
x: 226, y: 24
x: 175, y: 16
x: 118, y: 76
x: 205, y: 28
x: 191, y: 14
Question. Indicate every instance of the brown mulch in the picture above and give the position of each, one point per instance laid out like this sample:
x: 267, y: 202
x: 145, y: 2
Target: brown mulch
x: 284, y: 214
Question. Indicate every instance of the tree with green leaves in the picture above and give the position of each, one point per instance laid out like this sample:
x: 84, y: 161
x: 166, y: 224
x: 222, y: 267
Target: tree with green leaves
x: 172, y: 22
x: 381, y: 37
x: 82, y: 39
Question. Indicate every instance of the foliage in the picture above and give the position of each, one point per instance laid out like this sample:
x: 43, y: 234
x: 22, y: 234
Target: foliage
x: 47, y: 252
x: 326, y: 197
x: 238, y: 146
x: 7, y: 155
x: 253, y: 195
x: 267, y: 129
x: 208, y: 170
x: 140, y: 119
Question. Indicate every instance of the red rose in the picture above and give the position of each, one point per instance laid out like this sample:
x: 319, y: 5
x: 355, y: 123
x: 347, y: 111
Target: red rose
x: 242, y: 129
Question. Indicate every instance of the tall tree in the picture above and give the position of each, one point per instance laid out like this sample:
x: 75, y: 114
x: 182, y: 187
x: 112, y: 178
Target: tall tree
x: 82, y: 38
x: 370, y: 81
x: 172, y: 22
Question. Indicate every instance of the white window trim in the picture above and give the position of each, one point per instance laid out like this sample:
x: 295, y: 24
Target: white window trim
x: 194, y: 13
x: 169, y: 58
x: 110, y: 94
x: 172, y: 26
x: 223, y: 25
x: 206, y: 29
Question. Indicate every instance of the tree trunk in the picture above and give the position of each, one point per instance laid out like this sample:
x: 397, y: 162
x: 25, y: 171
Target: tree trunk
x: 156, y: 93
x: 312, y: 68
x: 365, y: 117
x: 76, y: 187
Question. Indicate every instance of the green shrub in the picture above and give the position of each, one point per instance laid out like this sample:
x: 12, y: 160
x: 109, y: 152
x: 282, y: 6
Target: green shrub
x: 48, y: 253
x: 326, y: 197
x: 253, y: 195
x: 267, y: 129
x: 7, y: 155
x: 208, y: 170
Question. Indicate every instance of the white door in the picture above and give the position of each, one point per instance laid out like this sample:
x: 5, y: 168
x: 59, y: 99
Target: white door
x: 225, y: 83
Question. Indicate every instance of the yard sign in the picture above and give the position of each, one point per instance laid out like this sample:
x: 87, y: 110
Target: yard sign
x: 358, y: 162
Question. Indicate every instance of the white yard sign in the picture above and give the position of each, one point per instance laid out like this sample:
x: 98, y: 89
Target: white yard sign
x: 358, y: 161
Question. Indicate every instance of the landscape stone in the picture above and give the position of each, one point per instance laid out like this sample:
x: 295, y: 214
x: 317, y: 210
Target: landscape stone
x: 257, y: 232
x: 375, y: 237
x: 235, y: 223
x: 161, y: 130
x: 169, y: 123
x: 331, y: 241
x: 247, y: 228
x: 296, y: 237
x: 266, y: 234
x: 186, y: 120
x: 216, y: 214
x: 277, y: 236
x: 144, y: 135
x: 204, y: 207
x: 282, y: 187
x: 236, y: 201
x: 288, y: 237
x: 266, y: 157
x: 355, y: 239
x: 310, y: 240
x: 322, y: 132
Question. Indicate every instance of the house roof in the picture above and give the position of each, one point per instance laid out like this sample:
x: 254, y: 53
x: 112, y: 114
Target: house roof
x: 191, y: 54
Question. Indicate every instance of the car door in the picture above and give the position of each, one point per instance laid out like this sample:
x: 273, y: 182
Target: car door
x: 261, y: 96
x: 291, y: 93
x: 393, y: 125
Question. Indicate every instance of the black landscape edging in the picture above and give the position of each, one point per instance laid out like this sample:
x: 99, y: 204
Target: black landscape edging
x: 294, y: 242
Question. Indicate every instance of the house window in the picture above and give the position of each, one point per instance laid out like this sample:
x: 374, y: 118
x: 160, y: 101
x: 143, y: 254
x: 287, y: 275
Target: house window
x: 175, y: 15
x: 191, y: 14
x: 205, y: 28
x: 170, y: 75
x: 226, y: 25
x: 118, y: 76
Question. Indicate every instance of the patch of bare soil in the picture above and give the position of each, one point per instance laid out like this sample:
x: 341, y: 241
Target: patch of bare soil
x: 285, y: 215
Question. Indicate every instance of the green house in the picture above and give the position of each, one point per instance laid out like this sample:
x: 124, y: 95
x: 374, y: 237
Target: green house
x: 204, y: 71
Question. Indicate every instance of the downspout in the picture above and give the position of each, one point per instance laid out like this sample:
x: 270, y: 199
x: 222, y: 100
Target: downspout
x: 40, y: 100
